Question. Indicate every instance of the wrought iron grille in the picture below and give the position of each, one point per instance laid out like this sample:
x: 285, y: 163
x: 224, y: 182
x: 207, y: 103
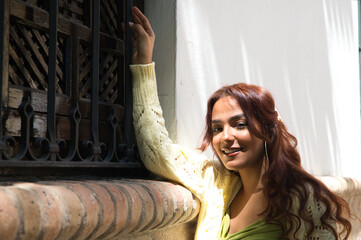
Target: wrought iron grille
x: 65, y: 84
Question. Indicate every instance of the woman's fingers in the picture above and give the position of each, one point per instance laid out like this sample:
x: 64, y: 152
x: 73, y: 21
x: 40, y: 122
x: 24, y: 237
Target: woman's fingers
x: 143, y: 20
x: 138, y: 30
x: 137, y: 20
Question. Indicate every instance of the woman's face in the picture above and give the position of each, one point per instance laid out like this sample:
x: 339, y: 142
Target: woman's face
x: 232, y: 141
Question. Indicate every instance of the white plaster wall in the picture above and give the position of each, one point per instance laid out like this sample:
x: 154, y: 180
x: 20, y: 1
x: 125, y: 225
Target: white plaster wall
x: 162, y: 15
x: 304, y: 51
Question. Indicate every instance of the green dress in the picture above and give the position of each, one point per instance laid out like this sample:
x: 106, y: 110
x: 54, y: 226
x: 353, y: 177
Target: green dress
x: 259, y: 230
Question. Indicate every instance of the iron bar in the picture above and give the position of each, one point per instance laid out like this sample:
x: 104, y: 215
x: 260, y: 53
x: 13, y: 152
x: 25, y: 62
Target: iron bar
x: 26, y: 112
x: 120, y: 59
x: 2, y: 52
x: 74, y: 117
x: 110, y: 153
x: 51, y: 105
x: 128, y: 126
x: 95, y: 80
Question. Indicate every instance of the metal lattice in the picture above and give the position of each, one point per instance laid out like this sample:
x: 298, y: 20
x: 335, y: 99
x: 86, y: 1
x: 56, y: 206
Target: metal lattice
x: 109, y: 18
x: 29, y: 58
x: 85, y: 64
x: 68, y: 94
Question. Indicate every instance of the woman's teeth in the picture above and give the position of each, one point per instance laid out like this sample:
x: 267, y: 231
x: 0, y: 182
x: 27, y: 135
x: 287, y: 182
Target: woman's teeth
x: 232, y: 150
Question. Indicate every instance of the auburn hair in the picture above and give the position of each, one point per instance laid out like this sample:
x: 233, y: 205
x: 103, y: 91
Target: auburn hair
x: 284, y: 174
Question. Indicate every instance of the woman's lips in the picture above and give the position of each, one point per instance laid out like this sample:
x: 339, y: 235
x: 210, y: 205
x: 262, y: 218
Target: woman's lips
x: 232, y: 152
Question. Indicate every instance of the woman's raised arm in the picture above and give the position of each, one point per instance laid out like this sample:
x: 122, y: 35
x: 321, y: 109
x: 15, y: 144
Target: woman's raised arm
x: 157, y: 151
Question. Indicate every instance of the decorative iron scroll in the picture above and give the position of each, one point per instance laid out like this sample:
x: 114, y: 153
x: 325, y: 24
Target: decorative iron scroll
x: 65, y: 84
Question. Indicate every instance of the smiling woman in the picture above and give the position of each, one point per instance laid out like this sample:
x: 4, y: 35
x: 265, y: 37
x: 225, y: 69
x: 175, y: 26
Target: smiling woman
x: 262, y: 192
x: 249, y: 137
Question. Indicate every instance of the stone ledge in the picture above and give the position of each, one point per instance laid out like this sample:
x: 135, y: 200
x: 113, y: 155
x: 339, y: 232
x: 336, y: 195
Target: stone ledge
x: 350, y: 190
x: 105, y: 209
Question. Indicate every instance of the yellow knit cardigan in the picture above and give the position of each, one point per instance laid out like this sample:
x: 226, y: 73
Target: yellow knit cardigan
x: 189, y: 167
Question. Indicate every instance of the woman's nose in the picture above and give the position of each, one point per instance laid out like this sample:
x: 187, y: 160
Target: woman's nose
x: 227, y: 134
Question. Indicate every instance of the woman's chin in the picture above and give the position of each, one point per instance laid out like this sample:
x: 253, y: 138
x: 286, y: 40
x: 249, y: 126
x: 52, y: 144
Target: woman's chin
x: 234, y: 166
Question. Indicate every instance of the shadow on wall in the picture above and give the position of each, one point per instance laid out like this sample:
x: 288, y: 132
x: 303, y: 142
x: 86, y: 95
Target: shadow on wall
x: 304, y: 52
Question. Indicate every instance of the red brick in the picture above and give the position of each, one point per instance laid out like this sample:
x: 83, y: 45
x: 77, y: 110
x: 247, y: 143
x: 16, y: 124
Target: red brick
x: 29, y: 208
x: 107, y: 205
x: 52, y: 213
x: 91, y: 207
x: 147, y: 207
x: 72, y: 210
x: 135, y: 207
x: 9, y: 215
x: 160, y: 203
x: 121, y: 211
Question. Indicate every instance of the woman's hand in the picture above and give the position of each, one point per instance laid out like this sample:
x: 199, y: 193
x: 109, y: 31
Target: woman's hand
x: 143, y: 38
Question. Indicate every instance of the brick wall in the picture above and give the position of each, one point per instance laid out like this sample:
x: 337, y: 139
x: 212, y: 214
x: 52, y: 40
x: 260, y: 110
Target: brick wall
x: 118, y: 209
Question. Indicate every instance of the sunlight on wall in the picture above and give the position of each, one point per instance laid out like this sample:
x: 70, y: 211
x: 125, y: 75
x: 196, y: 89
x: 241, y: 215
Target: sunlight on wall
x: 195, y: 46
x: 343, y: 58
x: 304, y: 52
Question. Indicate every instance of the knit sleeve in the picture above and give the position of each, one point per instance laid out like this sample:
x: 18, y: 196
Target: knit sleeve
x: 314, y: 210
x: 158, y: 153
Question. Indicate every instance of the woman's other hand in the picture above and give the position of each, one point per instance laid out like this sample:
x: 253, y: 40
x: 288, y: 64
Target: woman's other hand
x: 143, y: 38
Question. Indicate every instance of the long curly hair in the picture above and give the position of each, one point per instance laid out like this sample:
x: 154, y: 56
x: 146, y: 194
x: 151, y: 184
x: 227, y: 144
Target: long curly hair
x: 284, y: 174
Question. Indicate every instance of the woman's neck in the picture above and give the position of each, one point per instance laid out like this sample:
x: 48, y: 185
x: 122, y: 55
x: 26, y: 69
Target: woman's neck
x: 251, y: 178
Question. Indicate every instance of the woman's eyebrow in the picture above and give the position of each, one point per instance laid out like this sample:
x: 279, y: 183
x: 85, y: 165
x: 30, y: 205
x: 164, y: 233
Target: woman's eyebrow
x: 238, y: 116
x: 233, y: 118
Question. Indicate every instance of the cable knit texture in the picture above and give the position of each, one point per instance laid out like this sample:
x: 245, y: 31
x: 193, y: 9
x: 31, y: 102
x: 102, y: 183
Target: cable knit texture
x: 191, y: 168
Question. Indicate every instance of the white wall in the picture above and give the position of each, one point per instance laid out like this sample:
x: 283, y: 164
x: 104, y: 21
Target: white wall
x: 304, y: 51
x: 162, y: 15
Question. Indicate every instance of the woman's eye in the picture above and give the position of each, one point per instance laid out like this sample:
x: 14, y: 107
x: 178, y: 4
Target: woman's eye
x: 241, y: 125
x: 216, y: 130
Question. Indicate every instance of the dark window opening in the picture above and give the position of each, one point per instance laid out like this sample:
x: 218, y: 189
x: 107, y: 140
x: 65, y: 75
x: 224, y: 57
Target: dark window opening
x: 65, y: 85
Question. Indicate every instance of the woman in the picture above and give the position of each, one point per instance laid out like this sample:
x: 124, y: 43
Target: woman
x: 260, y: 191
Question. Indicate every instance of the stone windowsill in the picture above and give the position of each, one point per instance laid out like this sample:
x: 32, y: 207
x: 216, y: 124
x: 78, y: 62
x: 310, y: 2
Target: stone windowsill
x: 106, y: 209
